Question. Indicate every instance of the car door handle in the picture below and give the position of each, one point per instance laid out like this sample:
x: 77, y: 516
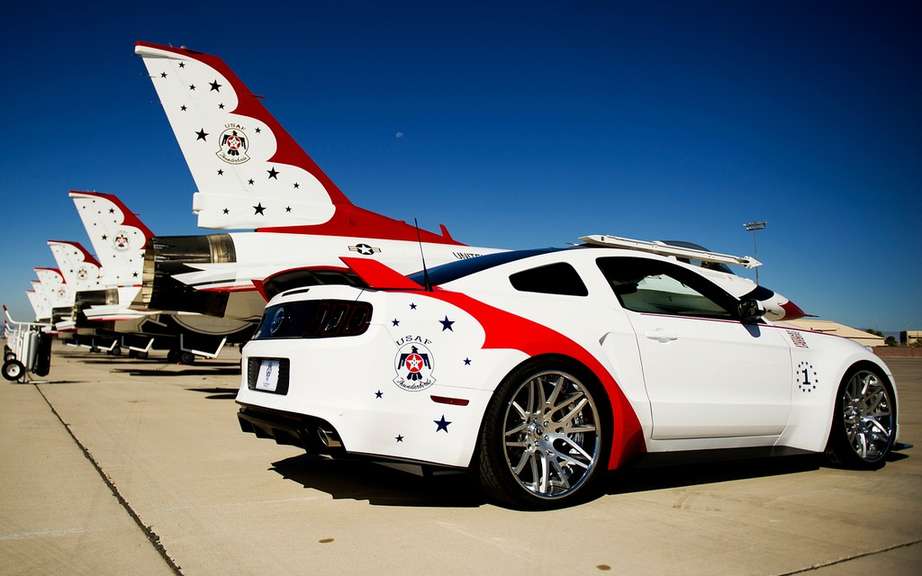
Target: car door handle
x: 661, y: 336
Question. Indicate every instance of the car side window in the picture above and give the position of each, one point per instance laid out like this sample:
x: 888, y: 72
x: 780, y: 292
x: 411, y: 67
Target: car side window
x: 559, y: 278
x: 657, y: 287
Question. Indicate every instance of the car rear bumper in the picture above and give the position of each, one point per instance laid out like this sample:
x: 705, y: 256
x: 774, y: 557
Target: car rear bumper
x: 315, y: 435
x: 345, y: 386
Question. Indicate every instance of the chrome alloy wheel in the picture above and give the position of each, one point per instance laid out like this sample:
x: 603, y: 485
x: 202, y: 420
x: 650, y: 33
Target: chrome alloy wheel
x: 552, y: 435
x: 867, y: 412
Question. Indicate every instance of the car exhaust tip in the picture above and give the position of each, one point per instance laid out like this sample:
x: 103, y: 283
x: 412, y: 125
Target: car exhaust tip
x: 329, y: 438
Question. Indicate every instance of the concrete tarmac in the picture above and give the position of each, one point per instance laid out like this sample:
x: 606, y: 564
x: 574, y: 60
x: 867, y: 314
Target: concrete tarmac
x: 189, y: 493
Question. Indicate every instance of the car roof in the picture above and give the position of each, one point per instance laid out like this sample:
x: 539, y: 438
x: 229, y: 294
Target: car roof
x: 452, y: 271
x: 456, y: 270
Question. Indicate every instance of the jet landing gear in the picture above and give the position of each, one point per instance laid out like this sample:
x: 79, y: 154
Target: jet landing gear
x: 192, y: 347
x: 177, y: 356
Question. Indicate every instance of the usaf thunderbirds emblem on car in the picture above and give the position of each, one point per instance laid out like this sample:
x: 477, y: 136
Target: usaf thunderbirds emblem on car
x: 414, y: 364
x: 364, y: 249
x: 233, y: 144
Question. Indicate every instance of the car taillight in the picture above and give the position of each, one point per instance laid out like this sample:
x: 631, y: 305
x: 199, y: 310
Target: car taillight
x: 315, y: 319
x: 342, y: 318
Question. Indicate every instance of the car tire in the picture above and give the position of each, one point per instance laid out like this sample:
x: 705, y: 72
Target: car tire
x: 545, y: 454
x: 13, y: 370
x: 864, y: 410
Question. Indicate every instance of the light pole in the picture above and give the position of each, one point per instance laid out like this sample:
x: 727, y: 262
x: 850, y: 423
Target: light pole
x: 755, y: 227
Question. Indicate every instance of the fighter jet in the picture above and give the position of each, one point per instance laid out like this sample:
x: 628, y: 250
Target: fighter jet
x: 119, y: 238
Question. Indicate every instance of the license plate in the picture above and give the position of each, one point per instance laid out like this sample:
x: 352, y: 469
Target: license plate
x: 268, y: 377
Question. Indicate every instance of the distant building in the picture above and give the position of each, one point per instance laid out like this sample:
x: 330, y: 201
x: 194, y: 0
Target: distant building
x: 910, y: 337
x: 830, y: 327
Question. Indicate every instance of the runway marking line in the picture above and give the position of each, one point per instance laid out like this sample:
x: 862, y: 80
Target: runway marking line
x: 152, y: 536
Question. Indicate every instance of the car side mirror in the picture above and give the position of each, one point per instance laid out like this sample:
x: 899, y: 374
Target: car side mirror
x: 750, y: 310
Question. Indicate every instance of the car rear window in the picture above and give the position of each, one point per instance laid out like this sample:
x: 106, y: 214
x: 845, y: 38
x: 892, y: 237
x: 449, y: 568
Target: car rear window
x: 557, y: 278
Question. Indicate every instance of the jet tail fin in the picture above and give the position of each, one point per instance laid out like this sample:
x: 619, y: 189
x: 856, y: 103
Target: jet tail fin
x: 51, y: 282
x: 80, y: 269
x: 39, y: 303
x: 249, y: 171
x: 117, y: 234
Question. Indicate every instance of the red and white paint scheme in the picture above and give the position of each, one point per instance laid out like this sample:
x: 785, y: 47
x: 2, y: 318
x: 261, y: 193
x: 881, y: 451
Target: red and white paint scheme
x: 120, y: 239
x: 81, y: 270
x: 541, y: 369
x: 117, y: 235
x: 251, y: 174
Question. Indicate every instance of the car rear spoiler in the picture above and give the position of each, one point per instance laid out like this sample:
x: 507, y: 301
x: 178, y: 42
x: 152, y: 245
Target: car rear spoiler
x: 358, y: 272
x: 379, y: 276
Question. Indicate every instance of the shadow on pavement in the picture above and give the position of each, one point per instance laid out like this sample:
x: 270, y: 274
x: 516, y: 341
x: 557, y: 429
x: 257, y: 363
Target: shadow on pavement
x: 74, y: 354
x: 204, y: 371
x: 125, y: 360
x: 217, y: 393
x: 380, y: 486
x: 675, y: 476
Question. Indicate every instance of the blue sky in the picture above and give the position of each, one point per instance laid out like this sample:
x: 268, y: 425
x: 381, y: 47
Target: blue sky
x: 524, y: 124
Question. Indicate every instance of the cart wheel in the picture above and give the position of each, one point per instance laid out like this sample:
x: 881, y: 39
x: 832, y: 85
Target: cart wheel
x: 132, y: 354
x: 9, y: 356
x: 187, y: 358
x: 13, y: 370
x: 117, y: 351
